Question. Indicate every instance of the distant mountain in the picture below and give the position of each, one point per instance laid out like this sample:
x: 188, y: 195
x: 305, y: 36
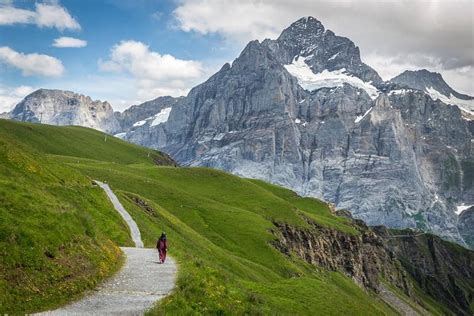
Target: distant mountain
x: 434, y: 85
x: 304, y: 111
x: 58, y: 107
x: 143, y: 112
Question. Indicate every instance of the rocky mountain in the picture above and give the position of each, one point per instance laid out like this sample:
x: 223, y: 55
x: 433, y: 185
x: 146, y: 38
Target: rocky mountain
x: 303, y: 111
x: 143, y: 112
x: 434, y: 85
x: 58, y: 107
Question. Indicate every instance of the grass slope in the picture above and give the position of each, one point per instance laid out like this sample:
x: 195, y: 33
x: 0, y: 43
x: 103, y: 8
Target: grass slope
x: 58, y: 234
x: 219, y: 226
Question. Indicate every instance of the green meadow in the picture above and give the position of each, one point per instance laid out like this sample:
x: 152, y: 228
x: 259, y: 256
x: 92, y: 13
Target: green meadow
x: 59, y: 235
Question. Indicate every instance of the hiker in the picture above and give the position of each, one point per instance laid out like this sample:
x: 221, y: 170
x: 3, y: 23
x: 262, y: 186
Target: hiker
x: 162, y: 246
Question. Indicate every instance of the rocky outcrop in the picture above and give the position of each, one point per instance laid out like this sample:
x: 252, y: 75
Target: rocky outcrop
x: 362, y: 257
x: 304, y: 112
x: 375, y: 257
x: 441, y: 269
x: 58, y: 107
x: 466, y: 226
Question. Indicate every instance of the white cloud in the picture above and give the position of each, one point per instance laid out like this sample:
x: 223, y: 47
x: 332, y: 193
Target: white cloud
x: 45, y: 15
x: 69, y: 42
x: 442, y: 30
x: 154, y: 74
x: 10, y: 96
x: 32, y: 64
x: 10, y: 15
x: 234, y: 19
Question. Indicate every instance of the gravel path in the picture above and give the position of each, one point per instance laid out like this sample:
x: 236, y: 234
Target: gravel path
x: 136, y: 287
x: 136, y: 236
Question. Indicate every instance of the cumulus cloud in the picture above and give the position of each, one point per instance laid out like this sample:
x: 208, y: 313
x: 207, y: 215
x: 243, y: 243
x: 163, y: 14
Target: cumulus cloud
x: 10, y: 96
x: 32, y: 64
x: 10, y: 15
x: 64, y: 42
x: 50, y: 15
x: 436, y: 33
x: 155, y: 74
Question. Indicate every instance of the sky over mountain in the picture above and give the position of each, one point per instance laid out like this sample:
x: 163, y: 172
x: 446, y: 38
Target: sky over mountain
x: 129, y: 51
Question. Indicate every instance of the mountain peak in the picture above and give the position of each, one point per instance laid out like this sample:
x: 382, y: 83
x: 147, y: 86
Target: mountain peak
x: 307, y: 37
x: 302, y: 33
x: 59, y: 107
x: 425, y: 80
x: 307, y: 23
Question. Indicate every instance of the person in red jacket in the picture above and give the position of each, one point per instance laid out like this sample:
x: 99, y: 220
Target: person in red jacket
x: 162, y: 247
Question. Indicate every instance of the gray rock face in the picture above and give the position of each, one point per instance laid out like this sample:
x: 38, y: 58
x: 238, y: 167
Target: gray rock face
x: 466, y: 226
x: 59, y: 107
x: 390, y: 156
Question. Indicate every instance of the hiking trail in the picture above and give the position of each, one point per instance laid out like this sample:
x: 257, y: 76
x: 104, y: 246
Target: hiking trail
x: 136, y: 287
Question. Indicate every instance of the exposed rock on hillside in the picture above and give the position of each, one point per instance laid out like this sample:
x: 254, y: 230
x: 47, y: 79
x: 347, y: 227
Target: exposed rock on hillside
x: 404, y: 259
x: 466, y: 226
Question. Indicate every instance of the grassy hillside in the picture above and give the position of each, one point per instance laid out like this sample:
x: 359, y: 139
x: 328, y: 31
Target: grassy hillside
x: 219, y: 229
x: 58, y: 234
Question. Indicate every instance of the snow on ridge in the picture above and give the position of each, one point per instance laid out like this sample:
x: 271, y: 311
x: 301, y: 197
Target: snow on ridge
x: 464, y: 105
x: 399, y: 91
x: 361, y: 117
x: 158, y: 118
x: 308, y: 80
x: 334, y: 56
x: 120, y: 135
x: 139, y: 123
x: 461, y: 208
x: 161, y: 117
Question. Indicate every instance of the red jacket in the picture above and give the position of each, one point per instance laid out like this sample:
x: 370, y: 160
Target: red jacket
x: 161, y: 244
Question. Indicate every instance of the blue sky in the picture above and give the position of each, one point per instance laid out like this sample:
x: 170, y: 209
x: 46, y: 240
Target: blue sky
x: 129, y: 51
x: 104, y: 24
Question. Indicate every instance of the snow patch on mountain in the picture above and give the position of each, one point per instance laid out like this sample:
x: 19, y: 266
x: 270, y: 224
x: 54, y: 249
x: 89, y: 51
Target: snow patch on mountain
x: 308, y: 80
x: 120, y: 135
x: 161, y: 117
x: 399, y: 92
x: 140, y: 123
x: 464, y: 105
x: 157, y: 119
x: 461, y: 208
x: 334, y: 56
x: 360, y: 118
